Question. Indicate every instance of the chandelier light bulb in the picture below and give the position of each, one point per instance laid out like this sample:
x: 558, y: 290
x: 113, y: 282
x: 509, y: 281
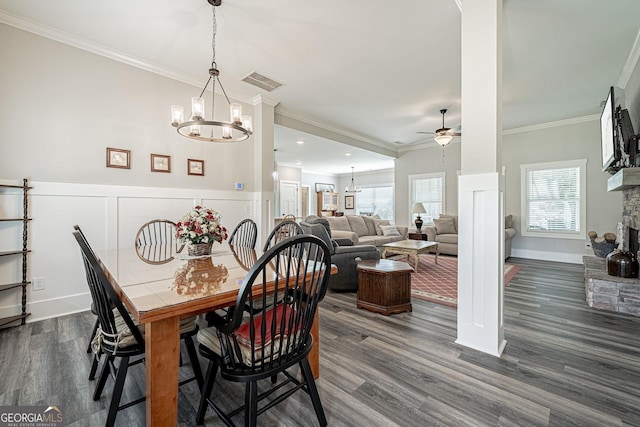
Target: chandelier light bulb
x: 177, y: 114
x: 247, y: 123
x: 226, y: 132
x: 236, y: 113
x: 197, y: 108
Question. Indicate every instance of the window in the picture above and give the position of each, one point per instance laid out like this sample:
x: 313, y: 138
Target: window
x: 427, y: 189
x: 553, y: 199
x: 375, y: 201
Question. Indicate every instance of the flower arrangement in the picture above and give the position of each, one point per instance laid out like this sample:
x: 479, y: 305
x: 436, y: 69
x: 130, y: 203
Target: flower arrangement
x: 201, y: 225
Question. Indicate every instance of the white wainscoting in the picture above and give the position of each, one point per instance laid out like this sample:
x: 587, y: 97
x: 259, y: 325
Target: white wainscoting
x: 108, y: 215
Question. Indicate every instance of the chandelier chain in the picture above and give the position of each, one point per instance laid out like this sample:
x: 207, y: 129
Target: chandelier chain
x: 213, y: 37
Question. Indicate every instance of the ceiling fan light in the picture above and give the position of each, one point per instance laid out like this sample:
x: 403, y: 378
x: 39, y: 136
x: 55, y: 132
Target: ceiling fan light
x: 443, y: 139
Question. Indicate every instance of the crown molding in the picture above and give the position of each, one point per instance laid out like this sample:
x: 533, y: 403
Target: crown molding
x: 99, y: 49
x: 630, y: 65
x: 260, y: 99
x: 293, y: 116
x: 549, y: 125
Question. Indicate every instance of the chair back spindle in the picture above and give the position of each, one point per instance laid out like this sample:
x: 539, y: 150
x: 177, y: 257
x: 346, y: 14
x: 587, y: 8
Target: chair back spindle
x: 245, y: 234
x: 156, y: 242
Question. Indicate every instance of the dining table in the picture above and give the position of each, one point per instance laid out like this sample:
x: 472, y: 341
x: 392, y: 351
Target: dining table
x: 158, y: 295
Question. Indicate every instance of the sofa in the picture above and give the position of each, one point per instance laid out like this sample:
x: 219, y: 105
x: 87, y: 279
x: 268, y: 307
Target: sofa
x: 345, y: 257
x: 445, y: 231
x: 366, y: 230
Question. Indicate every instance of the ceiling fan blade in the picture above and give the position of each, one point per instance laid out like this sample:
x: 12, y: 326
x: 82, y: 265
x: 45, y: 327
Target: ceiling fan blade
x: 455, y: 134
x: 428, y: 133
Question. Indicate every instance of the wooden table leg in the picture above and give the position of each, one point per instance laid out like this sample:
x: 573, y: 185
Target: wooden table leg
x: 384, y: 253
x: 314, y: 355
x: 162, y: 345
x: 437, y: 253
x: 417, y: 257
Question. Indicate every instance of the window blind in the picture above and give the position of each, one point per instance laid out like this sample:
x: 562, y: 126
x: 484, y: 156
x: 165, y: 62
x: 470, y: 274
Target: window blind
x: 553, y: 200
x: 429, y: 192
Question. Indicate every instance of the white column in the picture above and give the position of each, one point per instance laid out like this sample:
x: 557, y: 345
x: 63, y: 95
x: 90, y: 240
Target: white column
x: 481, y: 184
x: 263, y: 140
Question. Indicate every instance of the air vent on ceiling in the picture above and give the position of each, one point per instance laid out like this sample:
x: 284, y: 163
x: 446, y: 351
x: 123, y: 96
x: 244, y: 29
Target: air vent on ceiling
x: 261, y: 81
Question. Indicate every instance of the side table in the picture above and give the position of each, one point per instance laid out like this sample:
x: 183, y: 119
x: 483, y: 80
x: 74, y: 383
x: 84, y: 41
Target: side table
x: 418, y: 235
x: 384, y: 286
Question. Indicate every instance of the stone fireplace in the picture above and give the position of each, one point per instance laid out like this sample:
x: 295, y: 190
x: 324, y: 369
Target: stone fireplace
x: 630, y: 219
x: 613, y: 293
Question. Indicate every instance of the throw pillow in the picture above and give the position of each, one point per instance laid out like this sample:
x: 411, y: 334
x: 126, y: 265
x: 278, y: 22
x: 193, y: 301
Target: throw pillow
x: 508, y: 221
x: 389, y: 230
x: 455, y: 220
x: 339, y: 223
x: 357, y: 224
x: 444, y: 226
x: 371, y: 226
x: 378, y: 223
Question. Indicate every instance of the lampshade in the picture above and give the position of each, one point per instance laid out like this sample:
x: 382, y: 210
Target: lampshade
x: 443, y: 139
x: 418, y: 208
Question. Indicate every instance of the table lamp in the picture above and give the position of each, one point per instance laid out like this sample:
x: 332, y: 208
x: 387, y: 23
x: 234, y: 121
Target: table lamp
x: 418, y: 208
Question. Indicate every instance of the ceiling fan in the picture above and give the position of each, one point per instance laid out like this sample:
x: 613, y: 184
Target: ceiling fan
x: 444, y: 135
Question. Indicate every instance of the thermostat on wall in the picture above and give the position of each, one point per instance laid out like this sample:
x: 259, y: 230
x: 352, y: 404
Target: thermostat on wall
x: 239, y: 186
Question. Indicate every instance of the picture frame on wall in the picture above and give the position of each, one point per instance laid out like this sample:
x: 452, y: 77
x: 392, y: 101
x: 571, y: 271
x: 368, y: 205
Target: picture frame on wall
x: 160, y: 163
x: 324, y: 187
x: 195, y: 167
x: 118, y: 158
x: 349, y: 202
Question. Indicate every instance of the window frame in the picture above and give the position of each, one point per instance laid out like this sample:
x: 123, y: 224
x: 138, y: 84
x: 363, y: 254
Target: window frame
x: 524, y: 199
x: 412, y: 178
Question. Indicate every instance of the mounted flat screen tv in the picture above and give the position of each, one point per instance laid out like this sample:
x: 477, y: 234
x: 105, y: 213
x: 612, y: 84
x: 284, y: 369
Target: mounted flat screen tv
x: 610, y: 148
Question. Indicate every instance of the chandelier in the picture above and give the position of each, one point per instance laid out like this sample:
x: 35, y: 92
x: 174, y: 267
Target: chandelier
x: 352, y: 187
x: 239, y: 128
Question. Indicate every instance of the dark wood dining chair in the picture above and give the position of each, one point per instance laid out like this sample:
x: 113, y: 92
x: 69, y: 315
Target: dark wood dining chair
x: 245, y: 234
x: 249, y: 347
x: 156, y: 241
x: 96, y: 357
x: 119, y: 337
x: 283, y: 230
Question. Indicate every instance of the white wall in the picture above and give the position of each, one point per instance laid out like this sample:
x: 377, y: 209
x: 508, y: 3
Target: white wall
x: 427, y: 160
x: 61, y: 108
x: 108, y: 215
x: 632, y: 98
x: 568, y: 142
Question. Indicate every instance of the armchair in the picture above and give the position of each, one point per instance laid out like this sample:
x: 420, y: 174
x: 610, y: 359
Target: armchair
x: 346, y: 258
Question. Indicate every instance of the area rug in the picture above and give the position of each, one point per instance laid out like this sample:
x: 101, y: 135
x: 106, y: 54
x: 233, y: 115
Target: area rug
x: 439, y: 282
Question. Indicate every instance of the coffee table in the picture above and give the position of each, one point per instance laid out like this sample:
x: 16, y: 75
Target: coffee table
x: 410, y: 248
x: 384, y: 286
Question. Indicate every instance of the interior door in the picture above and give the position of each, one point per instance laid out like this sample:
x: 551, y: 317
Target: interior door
x: 289, y: 198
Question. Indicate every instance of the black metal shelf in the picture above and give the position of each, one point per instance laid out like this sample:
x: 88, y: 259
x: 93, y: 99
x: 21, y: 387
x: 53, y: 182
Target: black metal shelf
x: 18, y: 252
x: 13, y: 285
x: 7, y: 321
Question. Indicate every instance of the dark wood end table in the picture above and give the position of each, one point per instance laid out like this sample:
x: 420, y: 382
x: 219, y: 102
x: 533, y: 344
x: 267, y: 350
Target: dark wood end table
x: 384, y: 286
x: 418, y: 235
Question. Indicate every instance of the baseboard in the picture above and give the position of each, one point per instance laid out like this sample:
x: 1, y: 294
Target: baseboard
x: 53, y: 307
x: 547, y: 256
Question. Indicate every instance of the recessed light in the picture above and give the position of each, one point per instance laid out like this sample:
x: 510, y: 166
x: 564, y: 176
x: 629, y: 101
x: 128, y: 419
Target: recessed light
x: 299, y: 142
x: 298, y: 162
x: 347, y: 153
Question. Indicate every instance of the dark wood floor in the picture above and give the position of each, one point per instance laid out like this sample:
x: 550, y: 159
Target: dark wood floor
x: 565, y: 364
